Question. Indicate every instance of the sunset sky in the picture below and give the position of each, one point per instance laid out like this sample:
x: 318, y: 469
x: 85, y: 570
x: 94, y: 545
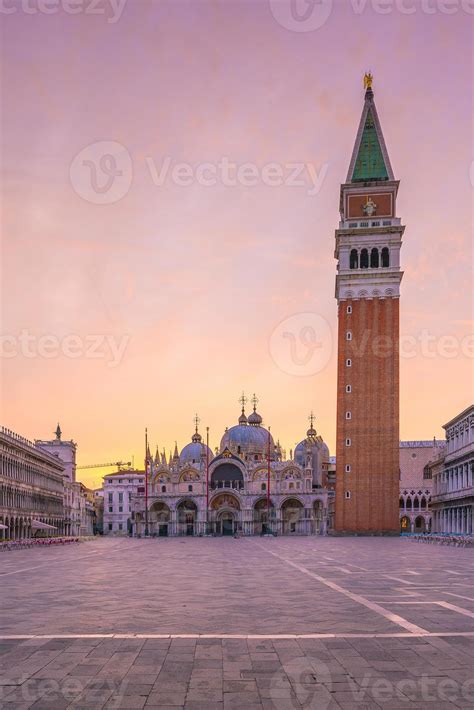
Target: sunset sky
x: 192, y: 292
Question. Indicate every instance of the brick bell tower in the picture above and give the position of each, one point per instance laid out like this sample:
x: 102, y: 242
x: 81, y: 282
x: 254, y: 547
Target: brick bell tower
x: 368, y: 244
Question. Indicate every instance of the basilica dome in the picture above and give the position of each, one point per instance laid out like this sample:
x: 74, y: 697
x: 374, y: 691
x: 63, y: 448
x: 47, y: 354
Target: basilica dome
x: 248, y: 440
x: 195, y: 452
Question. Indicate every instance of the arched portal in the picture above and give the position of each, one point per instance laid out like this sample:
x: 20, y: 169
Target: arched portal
x: 291, y: 514
x: 263, y: 516
x: 420, y: 525
x: 159, y: 518
x: 226, y: 508
x: 187, y: 516
x: 227, y: 475
x: 405, y: 524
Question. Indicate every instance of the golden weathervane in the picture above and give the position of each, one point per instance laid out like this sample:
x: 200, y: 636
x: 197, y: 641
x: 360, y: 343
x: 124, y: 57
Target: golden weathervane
x: 368, y: 79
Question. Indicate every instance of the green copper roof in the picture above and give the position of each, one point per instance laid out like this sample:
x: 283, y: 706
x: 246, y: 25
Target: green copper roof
x: 370, y: 164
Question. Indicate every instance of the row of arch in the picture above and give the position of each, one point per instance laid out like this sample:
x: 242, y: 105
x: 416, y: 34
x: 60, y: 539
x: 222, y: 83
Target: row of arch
x: 414, y: 503
x: 33, y: 475
x: 12, y: 496
x: 225, y: 516
x: 373, y: 259
x: 20, y: 527
x: 230, y: 475
x: 416, y: 525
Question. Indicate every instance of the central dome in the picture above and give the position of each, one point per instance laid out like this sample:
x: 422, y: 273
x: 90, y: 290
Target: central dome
x: 248, y: 440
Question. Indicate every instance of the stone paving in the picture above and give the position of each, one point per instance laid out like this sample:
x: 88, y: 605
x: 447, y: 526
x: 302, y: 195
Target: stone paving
x: 252, y: 623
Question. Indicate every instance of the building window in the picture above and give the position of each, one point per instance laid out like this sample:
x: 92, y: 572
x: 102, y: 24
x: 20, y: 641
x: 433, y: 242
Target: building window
x: 349, y: 310
x: 120, y: 526
x: 348, y: 468
x: 354, y: 259
x: 348, y: 389
x: 190, y: 488
x: 385, y: 257
x: 163, y: 489
x: 348, y: 335
x: 347, y: 495
x: 348, y: 362
x: 111, y: 510
x: 374, y: 258
x: 364, y: 259
x: 110, y: 526
x: 264, y: 486
x: 111, y: 497
x: 348, y: 415
x: 120, y: 480
x: 348, y: 442
x: 120, y: 509
x: 291, y: 485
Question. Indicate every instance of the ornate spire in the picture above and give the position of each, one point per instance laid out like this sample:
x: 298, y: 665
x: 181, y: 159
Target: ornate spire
x: 311, y: 431
x: 255, y: 419
x: 243, y: 401
x: 157, y: 455
x: 196, y: 438
x: 58, y: 432
x: 370, y: 159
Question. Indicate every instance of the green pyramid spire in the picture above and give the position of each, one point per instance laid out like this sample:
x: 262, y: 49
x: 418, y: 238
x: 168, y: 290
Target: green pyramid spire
x: 370, y: 163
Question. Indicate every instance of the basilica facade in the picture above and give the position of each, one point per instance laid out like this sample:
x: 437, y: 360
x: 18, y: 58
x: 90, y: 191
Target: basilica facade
x: 247, y: 486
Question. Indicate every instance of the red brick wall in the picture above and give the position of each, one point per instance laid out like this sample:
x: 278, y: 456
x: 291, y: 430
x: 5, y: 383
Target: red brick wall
x: 374, y: 426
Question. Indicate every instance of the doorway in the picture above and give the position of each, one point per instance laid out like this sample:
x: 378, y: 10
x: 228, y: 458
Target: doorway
x: 227, y: 524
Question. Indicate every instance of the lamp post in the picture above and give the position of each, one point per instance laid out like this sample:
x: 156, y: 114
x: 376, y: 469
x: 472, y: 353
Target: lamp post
x: 268, y: 477
x: 146, y: 482
x: 207, y: 480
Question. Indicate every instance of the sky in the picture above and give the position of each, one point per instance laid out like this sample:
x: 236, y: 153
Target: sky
x: 171, y: 175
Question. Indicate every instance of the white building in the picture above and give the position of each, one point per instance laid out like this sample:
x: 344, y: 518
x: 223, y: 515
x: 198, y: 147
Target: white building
x: 416, y: 483
x: 31, y: 488
x: 453, y: 484
x: 79, y: 509
x: 119, y: 487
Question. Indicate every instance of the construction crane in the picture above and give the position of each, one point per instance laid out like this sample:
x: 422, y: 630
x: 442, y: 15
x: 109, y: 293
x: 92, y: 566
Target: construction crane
x: 119, y: 464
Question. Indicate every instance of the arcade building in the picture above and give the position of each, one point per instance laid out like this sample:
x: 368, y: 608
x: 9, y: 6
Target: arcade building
x: 248, y: 486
